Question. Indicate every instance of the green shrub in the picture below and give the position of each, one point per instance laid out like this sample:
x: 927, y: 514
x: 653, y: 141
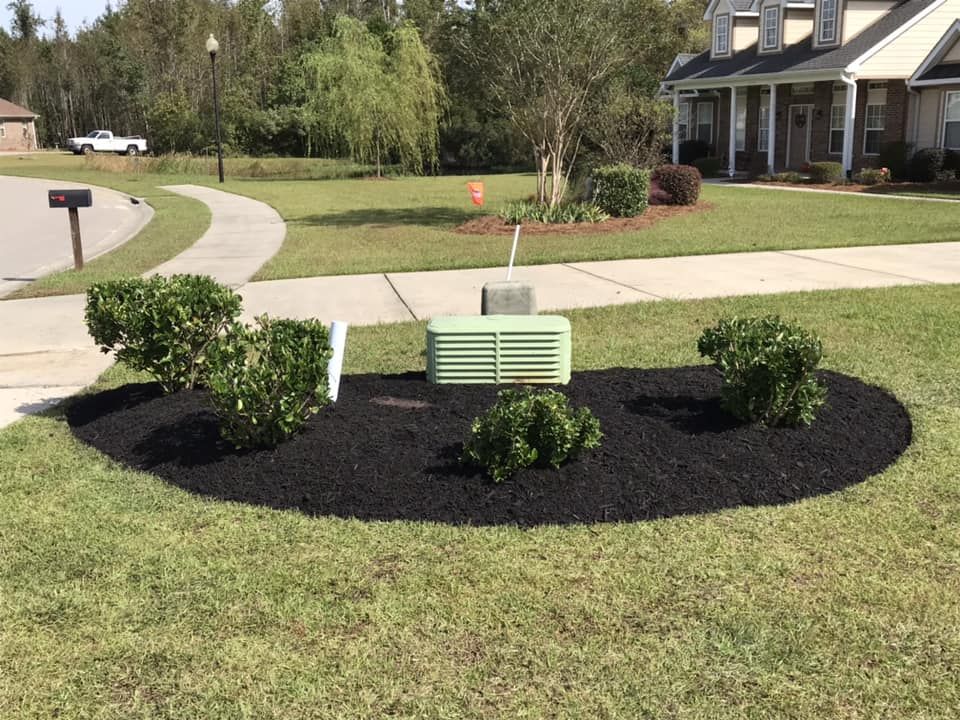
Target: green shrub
x: 895, y: 155
x: 163, y: 326
x: 621, y: 190
x: 767, y: 368
x: 826, y: 172
x: 266, y: 382
x: 926, y: 164
x: 680, y: 182
x: 787, y: 177
x: 872, y: 176
x: 526, y: 428
x: 708, y: 166
x: 531, y: 211
x: 757, y: 165
x: 692, y: 150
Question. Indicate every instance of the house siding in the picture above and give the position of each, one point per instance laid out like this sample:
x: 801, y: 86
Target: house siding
x: 745, y: 33
x: 859, y: 14
x: 901, y: 57
x: 12, y: 138
x: 797, y: 25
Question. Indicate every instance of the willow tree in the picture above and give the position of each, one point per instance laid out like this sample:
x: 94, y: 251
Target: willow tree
x: 382, y: 96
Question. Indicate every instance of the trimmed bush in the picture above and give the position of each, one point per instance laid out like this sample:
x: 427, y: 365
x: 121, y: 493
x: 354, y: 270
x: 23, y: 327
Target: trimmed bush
x: 787, y: 177
x: 692, y: 150
x: 680, y: 182
x: 757, y: 165
x: 163, y: 326
x: 708, y: 166
x: 768, y: 369
x: 621, y: 190
x: 266, y: 382
x: 926, y: 164
x: 657, y: 194
x: 826, y: 172
x: 896, y: 156
x: 526, y: 427
x: 532, y: 211
x: 872, y: 176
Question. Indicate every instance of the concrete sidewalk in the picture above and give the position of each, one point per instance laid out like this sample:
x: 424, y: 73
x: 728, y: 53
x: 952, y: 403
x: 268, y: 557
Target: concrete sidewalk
x: 46, y: 353
x: 243, y: 234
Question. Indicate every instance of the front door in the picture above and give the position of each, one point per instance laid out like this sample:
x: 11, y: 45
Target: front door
x: 798, y: 135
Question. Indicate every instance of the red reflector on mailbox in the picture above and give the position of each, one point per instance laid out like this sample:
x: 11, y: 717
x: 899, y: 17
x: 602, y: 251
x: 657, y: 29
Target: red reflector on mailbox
x: 70, y: 198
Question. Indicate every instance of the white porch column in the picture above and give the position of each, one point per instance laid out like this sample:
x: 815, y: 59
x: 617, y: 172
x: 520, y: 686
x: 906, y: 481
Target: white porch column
x: 772, y: 130
x: 849, y: 122
x: 732, y: 170
x: 676, y: 127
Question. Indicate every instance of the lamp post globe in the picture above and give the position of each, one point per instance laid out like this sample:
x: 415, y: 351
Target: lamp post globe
x: 213, y: 47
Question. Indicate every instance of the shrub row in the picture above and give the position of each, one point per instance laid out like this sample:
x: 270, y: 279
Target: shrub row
x: 264, y: 382
x: 530, y: 211
x: 768, y: 370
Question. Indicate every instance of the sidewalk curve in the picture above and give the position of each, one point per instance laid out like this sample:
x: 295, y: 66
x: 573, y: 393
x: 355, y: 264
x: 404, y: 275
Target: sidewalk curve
x: 243, y: 234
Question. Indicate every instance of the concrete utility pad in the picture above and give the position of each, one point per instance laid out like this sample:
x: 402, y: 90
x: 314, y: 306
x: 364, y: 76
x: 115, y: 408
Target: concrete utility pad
x: 356, y: 299
x: 35, y: 240
x: 458, y: 292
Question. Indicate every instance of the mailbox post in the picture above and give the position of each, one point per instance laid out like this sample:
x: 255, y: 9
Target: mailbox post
x: 71, y: 200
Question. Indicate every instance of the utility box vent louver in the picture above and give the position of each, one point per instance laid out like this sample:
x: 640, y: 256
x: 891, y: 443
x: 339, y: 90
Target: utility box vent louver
x: 499, y: 349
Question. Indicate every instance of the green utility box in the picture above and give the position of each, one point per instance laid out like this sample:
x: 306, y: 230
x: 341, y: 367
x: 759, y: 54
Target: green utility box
x: 499, y: 349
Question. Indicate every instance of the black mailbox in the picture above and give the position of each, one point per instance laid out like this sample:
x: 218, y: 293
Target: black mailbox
x: 70, y: 198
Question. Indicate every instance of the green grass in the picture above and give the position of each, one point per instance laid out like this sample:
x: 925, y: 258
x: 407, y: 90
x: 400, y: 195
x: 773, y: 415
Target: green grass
x: 178, y: 222
x: 406, y: 224
x: 123, y: 597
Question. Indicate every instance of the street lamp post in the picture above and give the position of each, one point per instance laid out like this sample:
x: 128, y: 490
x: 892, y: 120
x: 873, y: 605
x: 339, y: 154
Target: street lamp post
x: 212, y: 47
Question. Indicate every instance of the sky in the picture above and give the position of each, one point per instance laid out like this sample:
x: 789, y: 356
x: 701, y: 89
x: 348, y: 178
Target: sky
x: 74, y: 11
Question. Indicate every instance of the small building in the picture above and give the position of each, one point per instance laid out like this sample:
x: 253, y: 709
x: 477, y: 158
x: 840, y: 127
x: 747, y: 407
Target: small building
x: 786, y: 82
x: 18, y: 130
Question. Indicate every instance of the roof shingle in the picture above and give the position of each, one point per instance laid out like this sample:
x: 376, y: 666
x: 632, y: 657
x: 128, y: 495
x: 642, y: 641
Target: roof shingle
x: 9, y: 110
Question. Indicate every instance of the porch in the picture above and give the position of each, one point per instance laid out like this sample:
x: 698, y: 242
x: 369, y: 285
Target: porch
x: 781, y: 126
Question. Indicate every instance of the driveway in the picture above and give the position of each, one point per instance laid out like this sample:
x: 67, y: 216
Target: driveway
x: 35, y: 240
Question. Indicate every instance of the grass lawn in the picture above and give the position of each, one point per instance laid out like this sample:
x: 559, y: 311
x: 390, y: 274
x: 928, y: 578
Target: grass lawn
x: 122, y: 597
x: 360, y: 226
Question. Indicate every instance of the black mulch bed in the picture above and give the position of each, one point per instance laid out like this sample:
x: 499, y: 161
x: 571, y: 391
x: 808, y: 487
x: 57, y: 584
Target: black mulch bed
x: 388, y: 450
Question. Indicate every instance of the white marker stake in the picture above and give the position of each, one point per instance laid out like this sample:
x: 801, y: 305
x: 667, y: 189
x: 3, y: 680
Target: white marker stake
x: 513, y: 252
x: 338, y: 341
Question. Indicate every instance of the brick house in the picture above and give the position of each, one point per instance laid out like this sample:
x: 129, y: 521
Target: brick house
x: 18, y: 129
x: 785, y: 82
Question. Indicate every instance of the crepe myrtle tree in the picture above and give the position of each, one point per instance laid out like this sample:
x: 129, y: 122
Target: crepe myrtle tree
x: 545, y: 62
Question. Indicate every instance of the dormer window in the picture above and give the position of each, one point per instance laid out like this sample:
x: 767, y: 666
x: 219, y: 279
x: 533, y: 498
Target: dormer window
x: 828, y: 22
x: 721, y: 35
x: 771, y: 27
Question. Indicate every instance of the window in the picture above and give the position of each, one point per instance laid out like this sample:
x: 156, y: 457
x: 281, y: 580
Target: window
x: 683, y: 121
x: 838, y: 114
x: 771, y: 27
x: 705, y: 122
x: 721, y: 35
x: 951, y: 120
x: 763, y: 136
x: 3, y: 130
x: 828, y: 21
x: 873, y: 129
x: 742, y: 119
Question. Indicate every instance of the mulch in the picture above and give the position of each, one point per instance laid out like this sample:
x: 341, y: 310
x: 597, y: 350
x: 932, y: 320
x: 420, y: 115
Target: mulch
x: 494, y: 225
x: 389, y: 448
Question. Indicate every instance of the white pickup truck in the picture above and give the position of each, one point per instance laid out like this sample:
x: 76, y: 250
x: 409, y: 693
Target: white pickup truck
x: 104, y: 141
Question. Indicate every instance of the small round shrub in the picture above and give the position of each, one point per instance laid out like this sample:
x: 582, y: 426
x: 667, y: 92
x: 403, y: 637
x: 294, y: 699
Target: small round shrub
x: 708, y: 166
x: 926, y: 164
x: 822, y: 173
x: 895, y: 155
x: 680, y: 182
x: 621, y: 190
x: 787, y: 177
x: 657, y: 194
x: 266, y: 382
x: 163, y: 326
x: 872, y: 176
x: 768, y: 369
x: 526, y: 427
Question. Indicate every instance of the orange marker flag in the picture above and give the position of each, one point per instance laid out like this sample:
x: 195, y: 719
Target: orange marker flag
x: 476, y: 192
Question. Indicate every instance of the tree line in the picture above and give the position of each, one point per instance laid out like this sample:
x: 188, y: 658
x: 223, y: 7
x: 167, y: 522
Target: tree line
x: 423, y: 83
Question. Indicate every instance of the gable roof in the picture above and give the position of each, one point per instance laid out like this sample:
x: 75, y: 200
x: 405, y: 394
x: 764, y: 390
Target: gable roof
x: 9, y: 110
x: 736, y: 6
x: 933, y: 66
x: 801, y: 57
